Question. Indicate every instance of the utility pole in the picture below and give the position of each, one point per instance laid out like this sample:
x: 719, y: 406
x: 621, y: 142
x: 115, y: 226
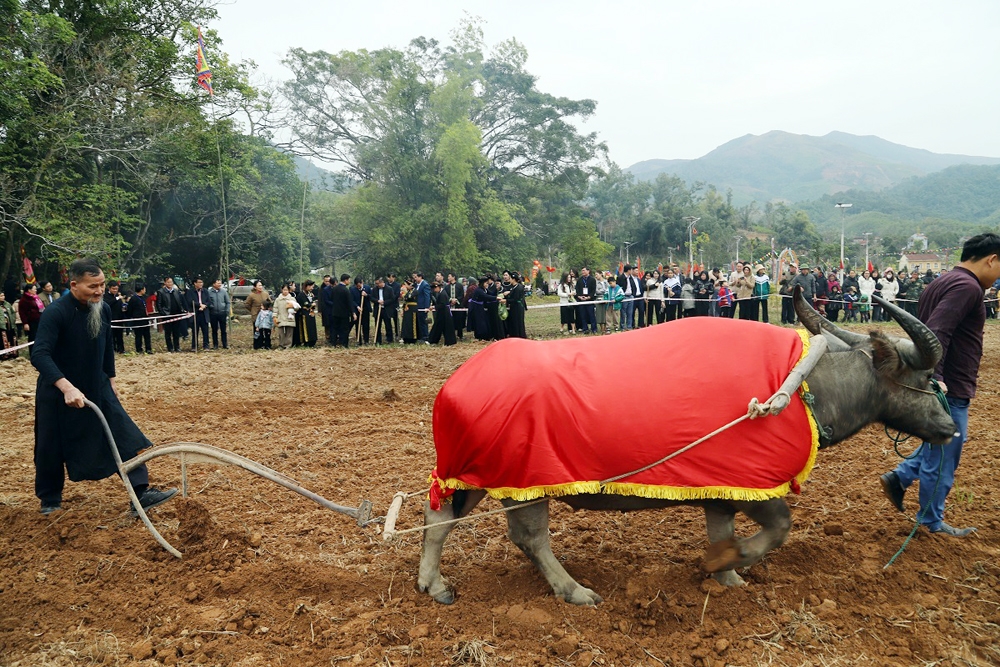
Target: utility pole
x: 738, y: 238
x: 627, y: 244
x: 842, y: 207
x: 691, y: 220
x: 867, y: 263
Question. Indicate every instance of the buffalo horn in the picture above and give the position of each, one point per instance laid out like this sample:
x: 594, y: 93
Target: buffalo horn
x: 926, y: 350
x: 815, y: 322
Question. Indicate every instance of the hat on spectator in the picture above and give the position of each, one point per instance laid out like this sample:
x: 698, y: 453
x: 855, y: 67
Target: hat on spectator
x: 759, y: 267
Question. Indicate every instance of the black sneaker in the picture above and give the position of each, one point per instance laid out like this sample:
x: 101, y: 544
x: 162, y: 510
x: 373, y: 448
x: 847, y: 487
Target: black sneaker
x: 153, y: 497
x: 893, y: 490
x: 49, y: 509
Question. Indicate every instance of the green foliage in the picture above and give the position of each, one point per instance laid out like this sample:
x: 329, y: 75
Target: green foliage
x: 464, y: 163
x: 102, y: 153
x: 582, y: 246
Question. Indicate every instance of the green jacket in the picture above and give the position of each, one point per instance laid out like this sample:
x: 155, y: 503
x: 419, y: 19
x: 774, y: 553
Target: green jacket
x: 7, y: 316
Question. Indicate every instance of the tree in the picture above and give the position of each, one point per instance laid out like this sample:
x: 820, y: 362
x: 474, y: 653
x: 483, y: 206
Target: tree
x: 582, y: 246
x: 105, y: 154
x: 458, y: 153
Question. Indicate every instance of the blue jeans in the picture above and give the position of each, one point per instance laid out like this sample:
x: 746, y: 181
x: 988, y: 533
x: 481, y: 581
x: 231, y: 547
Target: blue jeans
x: 628, y: 313
x: 925, y: 466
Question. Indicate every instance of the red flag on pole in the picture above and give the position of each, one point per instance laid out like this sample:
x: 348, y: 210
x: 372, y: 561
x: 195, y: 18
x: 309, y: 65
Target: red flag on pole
x: 870, y: 267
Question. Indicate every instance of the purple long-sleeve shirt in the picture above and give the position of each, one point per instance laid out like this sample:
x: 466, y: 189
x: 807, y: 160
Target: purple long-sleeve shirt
x: 952, y: 307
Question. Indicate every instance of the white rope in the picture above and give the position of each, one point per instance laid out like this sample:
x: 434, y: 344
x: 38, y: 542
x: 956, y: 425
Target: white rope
x: 155, y: 320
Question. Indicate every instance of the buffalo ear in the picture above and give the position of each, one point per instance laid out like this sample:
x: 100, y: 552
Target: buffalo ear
x: 885, y: 356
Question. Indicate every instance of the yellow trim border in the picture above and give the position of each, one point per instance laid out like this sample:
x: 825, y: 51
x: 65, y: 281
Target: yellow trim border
x: 662, y: 492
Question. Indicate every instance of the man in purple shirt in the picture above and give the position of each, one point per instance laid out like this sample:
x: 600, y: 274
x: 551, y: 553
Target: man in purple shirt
x: 952, y: 307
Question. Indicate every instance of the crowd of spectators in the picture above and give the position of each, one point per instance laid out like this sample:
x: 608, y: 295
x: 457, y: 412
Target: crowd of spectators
x: 354, y: 312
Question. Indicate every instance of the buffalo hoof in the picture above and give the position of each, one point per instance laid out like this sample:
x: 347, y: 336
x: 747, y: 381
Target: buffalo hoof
x: 721, y: 556
x: 729, y: 578
x: 448, y: 597
x: 441, y: 593
x: 583, y: 597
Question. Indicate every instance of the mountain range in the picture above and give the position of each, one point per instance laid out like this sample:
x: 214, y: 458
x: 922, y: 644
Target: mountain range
x: 781, y: 166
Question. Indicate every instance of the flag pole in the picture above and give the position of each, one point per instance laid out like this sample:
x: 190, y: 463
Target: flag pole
x: 222, y: 194
x: 204, y: 77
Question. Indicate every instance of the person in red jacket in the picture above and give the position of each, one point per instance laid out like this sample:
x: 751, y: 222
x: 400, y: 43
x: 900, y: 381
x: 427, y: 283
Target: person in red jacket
x: 725, y: 299
x: 30, y: 308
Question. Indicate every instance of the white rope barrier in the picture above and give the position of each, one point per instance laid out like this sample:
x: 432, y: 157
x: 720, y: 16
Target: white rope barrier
x: 153, y: 320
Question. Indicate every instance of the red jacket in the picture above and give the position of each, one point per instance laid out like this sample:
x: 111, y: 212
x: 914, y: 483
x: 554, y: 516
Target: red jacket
x: 725, y: 297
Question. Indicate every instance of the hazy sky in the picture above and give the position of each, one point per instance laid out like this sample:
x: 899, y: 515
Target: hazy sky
x: 677, y: 79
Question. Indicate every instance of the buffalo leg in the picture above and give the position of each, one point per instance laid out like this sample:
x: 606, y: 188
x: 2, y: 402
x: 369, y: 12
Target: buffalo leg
x: 430, y: 580
x: 721, y: 524
x: 775, y: 522
x: 528, y: 528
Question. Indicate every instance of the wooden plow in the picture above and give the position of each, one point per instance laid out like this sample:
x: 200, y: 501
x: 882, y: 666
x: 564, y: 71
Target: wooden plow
x: 193, y: 452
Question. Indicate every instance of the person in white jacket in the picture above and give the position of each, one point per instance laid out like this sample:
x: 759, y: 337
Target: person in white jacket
x: 866, y: 284
x: 890, y: 286
x: 567, y: 317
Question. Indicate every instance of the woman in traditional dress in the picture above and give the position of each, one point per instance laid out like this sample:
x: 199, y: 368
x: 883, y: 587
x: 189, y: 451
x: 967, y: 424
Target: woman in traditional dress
x: 478, y: 316
x: 409, y: 330
x: 515, y: 307
x: 305, y: 317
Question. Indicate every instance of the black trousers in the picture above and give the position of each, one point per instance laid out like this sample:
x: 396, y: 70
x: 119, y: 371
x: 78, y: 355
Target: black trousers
x: 262, y: 339
x: 444, y: 325
x: 50, y: 477
x: 364, y: 324
x: 172, y: 334
x: 421, y: 325
x: 341, y: 331
x: 787, y: 310
x: 118, y: 335
x: 219, y: 323
x: 142, y: 337
x: 385, y: 323
x: 201, y: 324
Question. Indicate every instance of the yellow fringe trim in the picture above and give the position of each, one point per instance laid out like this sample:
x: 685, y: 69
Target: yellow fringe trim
x: 661, y: 492
x: 813, y: 427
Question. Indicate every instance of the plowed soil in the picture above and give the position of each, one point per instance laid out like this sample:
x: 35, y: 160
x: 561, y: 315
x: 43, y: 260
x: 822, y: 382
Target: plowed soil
x: 271, y: 578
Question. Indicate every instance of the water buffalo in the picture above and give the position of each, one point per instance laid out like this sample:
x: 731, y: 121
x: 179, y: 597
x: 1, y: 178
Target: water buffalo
x: 859, y: 380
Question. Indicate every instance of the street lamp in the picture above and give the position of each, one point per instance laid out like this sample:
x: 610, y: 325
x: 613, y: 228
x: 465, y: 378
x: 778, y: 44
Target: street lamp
x: 627, y: 244
x: 842, y: 206
x: 738, y: 237
x: 691, y: 220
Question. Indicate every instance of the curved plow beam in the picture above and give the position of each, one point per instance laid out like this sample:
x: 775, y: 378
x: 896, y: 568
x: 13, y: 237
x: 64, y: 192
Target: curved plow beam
x: 194, y: 452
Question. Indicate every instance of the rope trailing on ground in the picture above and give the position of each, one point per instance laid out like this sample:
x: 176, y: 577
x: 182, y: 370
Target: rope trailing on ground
x: 923, y: 510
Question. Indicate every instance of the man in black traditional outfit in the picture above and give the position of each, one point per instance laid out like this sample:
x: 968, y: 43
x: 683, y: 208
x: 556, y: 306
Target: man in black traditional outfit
x: 444, y: 325
x: 75, y: 360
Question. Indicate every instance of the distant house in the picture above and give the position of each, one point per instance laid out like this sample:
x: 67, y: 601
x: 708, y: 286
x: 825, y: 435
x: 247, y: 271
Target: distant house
x: 916, y: 240
x: 921, y: 261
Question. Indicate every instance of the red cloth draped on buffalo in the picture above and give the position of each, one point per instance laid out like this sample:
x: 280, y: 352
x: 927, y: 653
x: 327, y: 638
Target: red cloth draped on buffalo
x: 523, y: 418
